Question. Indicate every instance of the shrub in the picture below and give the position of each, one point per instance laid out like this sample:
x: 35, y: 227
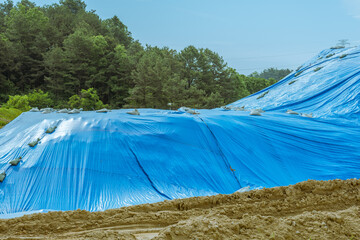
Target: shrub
x: 18, y: 102
x: 39, y: 99
x: 88, y: 100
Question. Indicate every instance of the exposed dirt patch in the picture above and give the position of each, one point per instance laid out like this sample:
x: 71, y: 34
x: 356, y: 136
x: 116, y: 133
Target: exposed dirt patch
x: 307, y: 210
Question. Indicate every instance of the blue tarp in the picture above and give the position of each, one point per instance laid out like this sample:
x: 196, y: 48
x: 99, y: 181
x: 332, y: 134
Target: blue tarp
x: 96, y: 161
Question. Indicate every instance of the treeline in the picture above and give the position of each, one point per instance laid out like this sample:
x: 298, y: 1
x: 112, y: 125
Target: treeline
x: 62, y: 49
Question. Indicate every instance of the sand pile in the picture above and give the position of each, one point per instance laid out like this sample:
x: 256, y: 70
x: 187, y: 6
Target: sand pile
x: 307, y: 210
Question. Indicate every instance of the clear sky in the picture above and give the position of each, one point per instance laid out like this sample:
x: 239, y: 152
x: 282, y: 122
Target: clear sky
x: 251, y: 35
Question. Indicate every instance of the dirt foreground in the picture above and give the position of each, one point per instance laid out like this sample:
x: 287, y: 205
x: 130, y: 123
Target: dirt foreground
x: 307, y: 210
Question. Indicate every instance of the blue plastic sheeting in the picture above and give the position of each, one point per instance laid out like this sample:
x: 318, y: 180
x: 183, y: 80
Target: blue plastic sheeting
x: 96, y: 161
x: 327, y: 85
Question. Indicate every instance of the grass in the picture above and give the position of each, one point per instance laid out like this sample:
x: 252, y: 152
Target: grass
x: 7, y: 115
x: 292, y: 82
x: 330, y: 55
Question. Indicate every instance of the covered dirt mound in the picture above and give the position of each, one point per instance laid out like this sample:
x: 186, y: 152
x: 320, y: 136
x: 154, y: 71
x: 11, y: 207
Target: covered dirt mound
x: 307, y: 210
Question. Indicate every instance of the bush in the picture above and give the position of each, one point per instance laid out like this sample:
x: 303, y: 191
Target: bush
x: 39, y: 99
x: 88, y: 100
x: 18, y: 102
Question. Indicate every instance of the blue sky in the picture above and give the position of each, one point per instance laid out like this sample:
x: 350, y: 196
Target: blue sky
x: 251, y: 35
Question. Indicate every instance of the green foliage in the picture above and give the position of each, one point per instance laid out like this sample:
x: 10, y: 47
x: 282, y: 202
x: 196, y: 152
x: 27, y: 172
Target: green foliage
x: 274, y: 73
x: 88, y: 100
x: 254, y: 85
x: 26, y: 29
x: 330, y: 55
x: 7, y: 115
x: 63, y: 48
x: 37, y: 98
x: 293, y: 81
x: 18, y: 102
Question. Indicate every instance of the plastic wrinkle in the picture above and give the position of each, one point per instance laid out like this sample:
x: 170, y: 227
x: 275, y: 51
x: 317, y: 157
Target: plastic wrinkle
x: 147, y: 176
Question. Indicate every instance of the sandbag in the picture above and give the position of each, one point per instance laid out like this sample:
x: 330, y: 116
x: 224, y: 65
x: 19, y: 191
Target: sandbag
x: 256, y: 112
x: 227, y: 108
x: 307, y: 115
x: 2, y: 176
x: 63, y: 111
x: 239, y: 108
x: 135, y: 112
x: 15, y: 161
x: 104, y: 110
x: 74, y: 111
x: 34, y: 110
x: 34, y: 143
x: 46, y: 110
x: 51, y: 129
x: 292, y: 112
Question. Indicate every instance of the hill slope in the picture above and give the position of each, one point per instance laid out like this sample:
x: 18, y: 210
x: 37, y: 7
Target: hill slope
x: 327, y: 86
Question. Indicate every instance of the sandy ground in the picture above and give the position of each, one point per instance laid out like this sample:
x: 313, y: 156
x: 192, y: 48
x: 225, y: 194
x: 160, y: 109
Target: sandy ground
x: 307, y: 210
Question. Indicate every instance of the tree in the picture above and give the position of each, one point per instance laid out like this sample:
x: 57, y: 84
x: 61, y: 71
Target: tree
x: 79, y: 53
x: 232, y: 86
x: 7, y: 67
x: 343, y: 42
x: 117, y: 30
x: 118, y: 75
x: 26, y: 26
x: 152, y: 72
x: 37, y: 98
x: 75, y: 6
x: 58, y: 80
x: 5, y: 9
x: 87, y: 99
x: 18, y: 102
x: 274, y: 73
